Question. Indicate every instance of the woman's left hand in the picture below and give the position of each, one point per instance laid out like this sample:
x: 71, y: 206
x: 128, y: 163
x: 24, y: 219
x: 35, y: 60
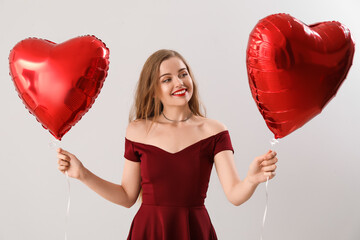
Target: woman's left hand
x: 262, y: 167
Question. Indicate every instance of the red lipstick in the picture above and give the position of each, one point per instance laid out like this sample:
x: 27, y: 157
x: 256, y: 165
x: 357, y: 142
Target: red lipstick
x: 179, y: 95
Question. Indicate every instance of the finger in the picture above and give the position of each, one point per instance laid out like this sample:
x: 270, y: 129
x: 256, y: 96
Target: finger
x: 63, y: 157
x: 269, y: 174
x: 270, y: 168
x: 63, y: 168
x: 269, y: 162
x: 62, y: 151
x: 63, y: 163
x: 270, y: 155
x: 259, y: 160
x: 264, y: 156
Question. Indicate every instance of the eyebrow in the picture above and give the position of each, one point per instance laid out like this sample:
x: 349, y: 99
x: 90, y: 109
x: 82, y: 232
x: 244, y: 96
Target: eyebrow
x: 170, y: 74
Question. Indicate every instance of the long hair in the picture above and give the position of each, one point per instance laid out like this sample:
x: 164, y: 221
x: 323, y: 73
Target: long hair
x: 146, y: 105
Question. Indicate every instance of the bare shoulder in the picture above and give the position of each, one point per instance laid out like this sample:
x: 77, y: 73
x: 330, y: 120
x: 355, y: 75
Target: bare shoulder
x: 135, y: 129
x: 214, y: 126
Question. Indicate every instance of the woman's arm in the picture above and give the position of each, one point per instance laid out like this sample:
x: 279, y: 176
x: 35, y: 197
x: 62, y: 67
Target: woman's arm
x: 124, y: 194
x: 239, y: 191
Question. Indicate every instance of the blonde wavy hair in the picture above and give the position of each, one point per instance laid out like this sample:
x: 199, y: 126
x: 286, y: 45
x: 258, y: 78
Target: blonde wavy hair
x: 146, y: 105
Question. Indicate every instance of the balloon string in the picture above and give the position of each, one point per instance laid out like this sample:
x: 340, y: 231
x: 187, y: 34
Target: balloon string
x: 273, y: 142
x: 54, y: 143
x: 68, y: 205
x: 266, y: 207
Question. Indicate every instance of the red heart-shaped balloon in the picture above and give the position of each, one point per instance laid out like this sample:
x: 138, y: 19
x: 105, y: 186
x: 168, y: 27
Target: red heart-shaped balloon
x: 58, y: 83
x: 294, y: 70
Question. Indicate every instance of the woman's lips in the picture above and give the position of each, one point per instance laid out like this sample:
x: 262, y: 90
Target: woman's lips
x: 180, y: 95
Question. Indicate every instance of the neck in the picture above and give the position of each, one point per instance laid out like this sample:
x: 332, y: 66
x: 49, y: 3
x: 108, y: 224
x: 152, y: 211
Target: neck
x: 176, y: 114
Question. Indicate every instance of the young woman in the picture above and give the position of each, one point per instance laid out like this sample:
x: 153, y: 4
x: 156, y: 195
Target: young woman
x: 170, y: 149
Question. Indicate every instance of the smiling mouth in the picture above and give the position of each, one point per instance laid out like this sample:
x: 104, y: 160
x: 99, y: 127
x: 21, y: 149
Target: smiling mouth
x: 180, y: 93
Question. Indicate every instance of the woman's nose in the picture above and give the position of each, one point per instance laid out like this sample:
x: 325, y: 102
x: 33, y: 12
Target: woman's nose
x: 178, y: 81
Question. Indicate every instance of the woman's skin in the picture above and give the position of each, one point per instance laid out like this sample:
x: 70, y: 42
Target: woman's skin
x: 173, y: 137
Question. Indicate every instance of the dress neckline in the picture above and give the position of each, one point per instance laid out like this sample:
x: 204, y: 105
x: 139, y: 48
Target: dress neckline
x: 191, y: 145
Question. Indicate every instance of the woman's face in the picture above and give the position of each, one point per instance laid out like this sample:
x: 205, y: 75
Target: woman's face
x: 174, y: 76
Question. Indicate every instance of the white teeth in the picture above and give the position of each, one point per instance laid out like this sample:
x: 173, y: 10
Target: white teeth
x: 182, y: 92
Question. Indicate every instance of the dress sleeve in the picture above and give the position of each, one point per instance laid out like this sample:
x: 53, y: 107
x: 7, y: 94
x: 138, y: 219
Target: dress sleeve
x: 222, y: 142
x: 130, y: 154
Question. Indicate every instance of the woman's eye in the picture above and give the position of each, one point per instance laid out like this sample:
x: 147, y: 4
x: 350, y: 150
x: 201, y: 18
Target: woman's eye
x: 184, y: 74
x: 166, y: 80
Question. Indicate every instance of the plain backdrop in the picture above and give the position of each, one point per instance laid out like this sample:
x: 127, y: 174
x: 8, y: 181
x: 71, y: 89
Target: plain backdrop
x: 316, y: 192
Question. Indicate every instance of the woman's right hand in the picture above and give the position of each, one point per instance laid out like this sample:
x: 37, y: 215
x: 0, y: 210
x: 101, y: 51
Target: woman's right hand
x: 69, y: 162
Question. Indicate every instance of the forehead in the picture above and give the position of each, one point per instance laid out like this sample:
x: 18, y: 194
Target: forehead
x: 170, y: 65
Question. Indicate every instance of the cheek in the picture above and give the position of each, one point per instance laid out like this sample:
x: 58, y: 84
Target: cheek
x: 164, y: 90
x: 190, y: 84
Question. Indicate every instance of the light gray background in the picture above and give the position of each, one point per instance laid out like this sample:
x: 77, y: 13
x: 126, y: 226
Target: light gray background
x: 315, y: 194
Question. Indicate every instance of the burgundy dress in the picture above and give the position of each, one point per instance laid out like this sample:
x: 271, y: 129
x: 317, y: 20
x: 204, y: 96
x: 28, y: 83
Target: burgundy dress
x: 174, y: 189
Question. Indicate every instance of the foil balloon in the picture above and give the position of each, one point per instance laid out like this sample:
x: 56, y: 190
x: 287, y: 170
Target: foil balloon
x: 294, y: 69
x: 58, y: 83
